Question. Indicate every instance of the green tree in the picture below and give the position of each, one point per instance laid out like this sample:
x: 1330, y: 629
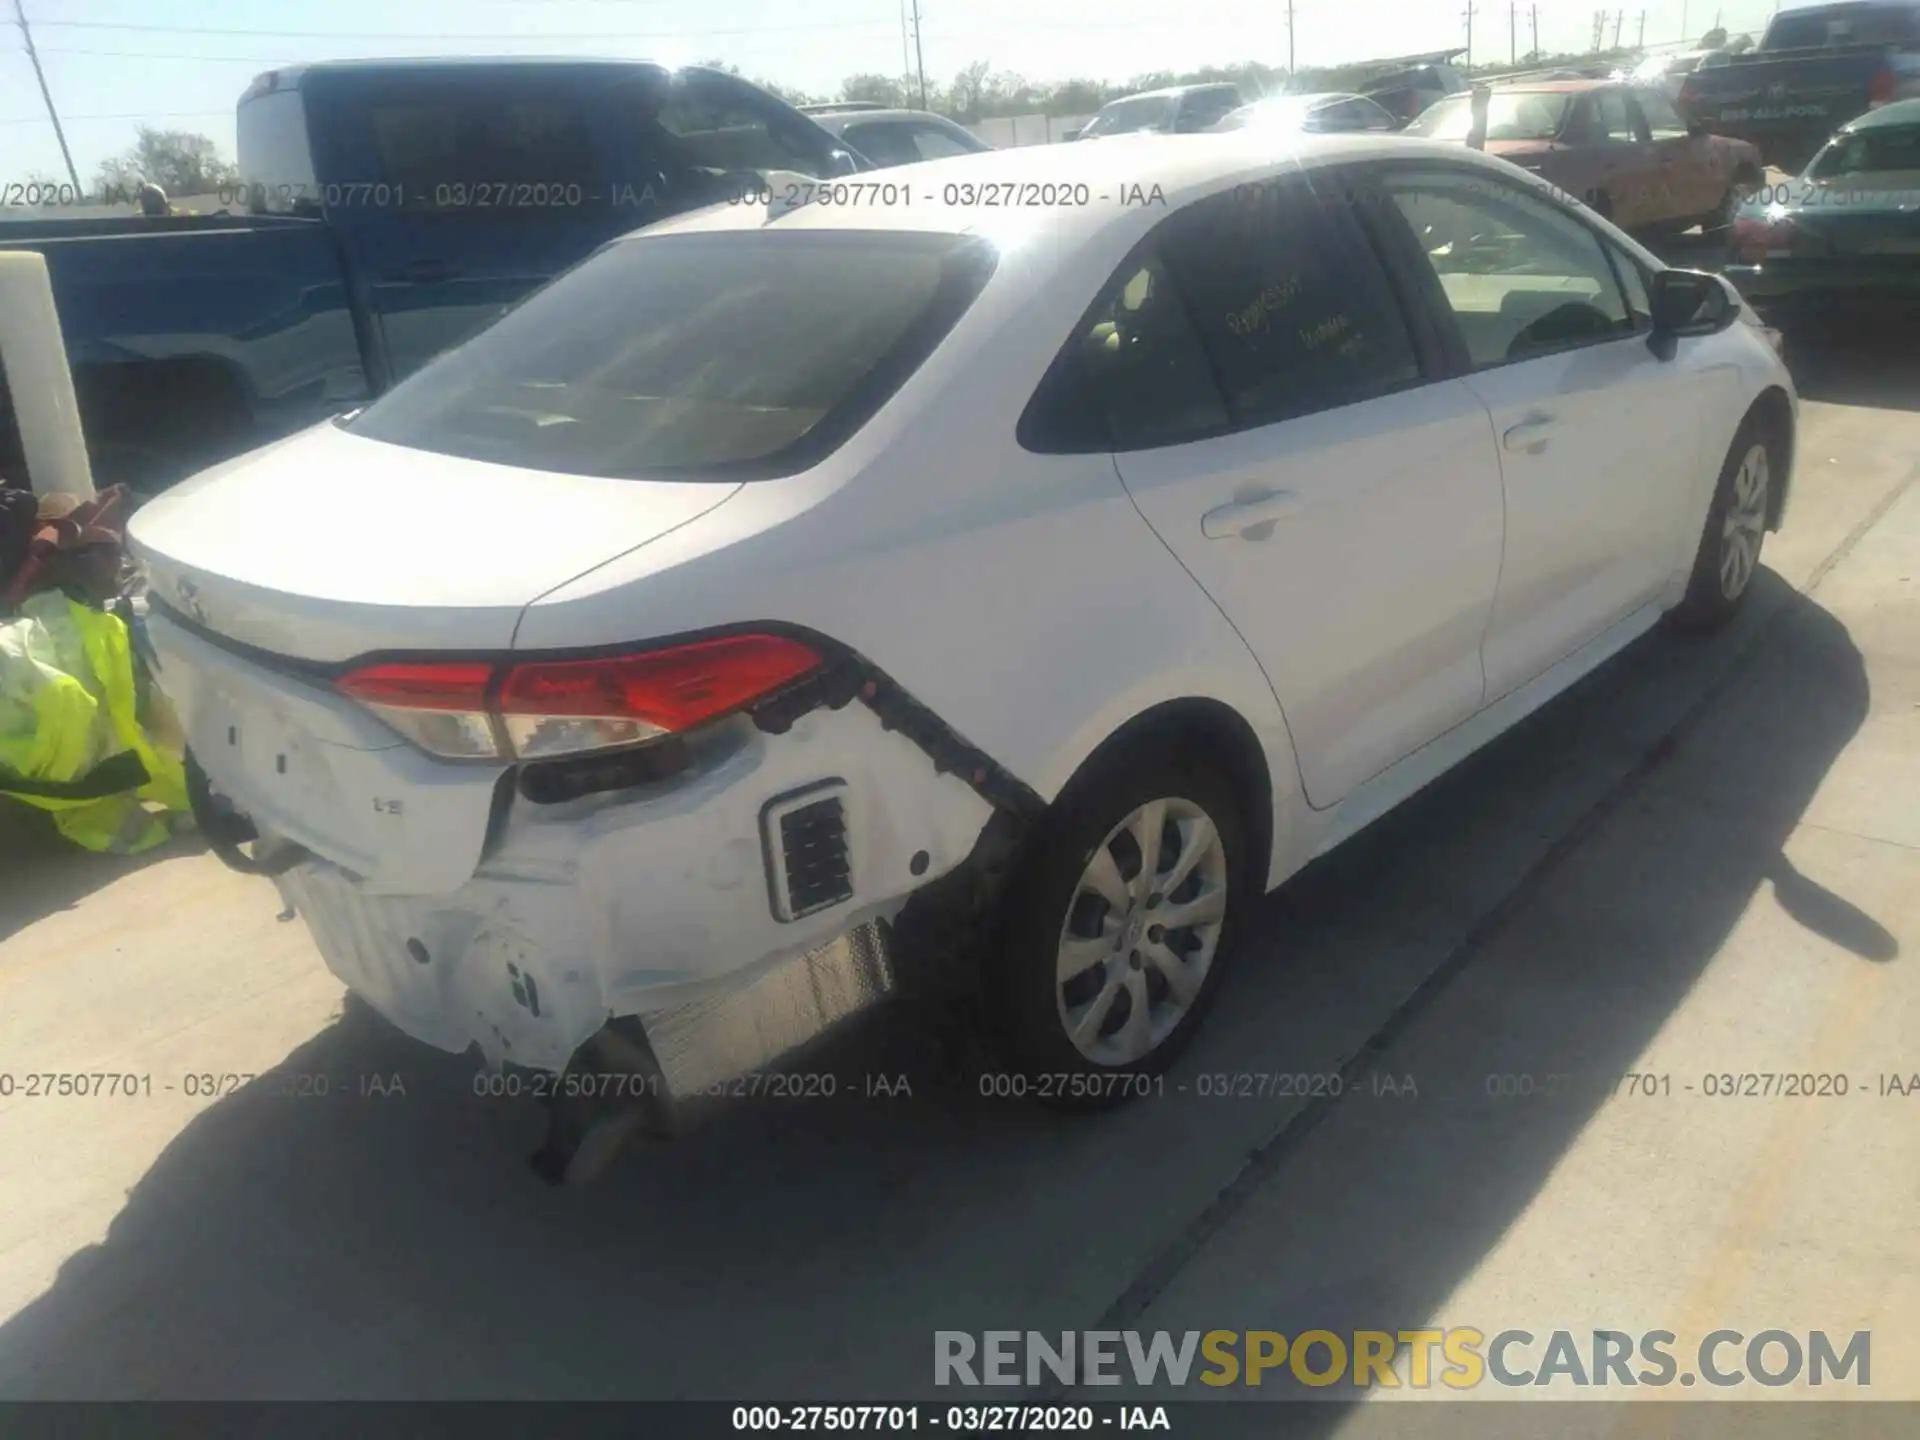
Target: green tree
x: 178, y: 161
x: 894, y: 92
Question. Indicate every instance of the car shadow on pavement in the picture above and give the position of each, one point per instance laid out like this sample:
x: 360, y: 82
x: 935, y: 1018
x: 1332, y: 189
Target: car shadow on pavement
x: 385, y: 1240
x: 44, y: 872
x: 1855, y: 358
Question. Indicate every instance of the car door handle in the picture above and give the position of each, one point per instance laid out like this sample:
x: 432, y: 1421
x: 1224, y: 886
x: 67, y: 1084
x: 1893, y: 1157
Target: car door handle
x: 1531, y: 435
x: 1226, y: 521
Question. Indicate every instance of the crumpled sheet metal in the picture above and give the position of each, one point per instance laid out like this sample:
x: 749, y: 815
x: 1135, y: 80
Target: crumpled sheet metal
x: 756, y: 1028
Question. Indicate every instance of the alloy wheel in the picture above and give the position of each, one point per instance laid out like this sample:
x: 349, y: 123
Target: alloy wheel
x: 1141, y: 932
x: 1745, y: 523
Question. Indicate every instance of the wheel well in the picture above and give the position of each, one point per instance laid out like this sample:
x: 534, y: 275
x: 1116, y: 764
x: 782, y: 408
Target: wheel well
x: 1215, y: 732
x: 1773, y: 412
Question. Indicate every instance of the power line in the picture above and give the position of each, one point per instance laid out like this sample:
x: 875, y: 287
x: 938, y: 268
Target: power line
x: 542, y: 35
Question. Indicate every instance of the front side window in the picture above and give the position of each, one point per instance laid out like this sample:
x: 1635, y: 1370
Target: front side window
x: 1663, y: 121
x: 1142, y: 112
x: 723, y: 356
x: 934, y: 143
x: 885, y: 142
x: 1613, y: 119
x: 717, y: 126
x: 1521, y: 277
x: 1294, y: 309
x: 456, y: 148
x: 1511, y: 115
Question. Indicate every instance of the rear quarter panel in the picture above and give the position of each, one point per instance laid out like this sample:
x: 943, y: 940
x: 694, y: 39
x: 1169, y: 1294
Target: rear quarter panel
x: 1020, y: 596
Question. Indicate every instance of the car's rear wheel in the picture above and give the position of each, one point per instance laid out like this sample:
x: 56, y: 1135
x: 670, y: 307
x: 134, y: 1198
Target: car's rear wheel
x: 1115, y: 933
x: 1729, y: 553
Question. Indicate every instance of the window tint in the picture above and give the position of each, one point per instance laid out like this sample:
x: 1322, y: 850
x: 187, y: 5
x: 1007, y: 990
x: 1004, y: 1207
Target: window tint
x: 1613, y: 119
x: 1206, y: 108
x: 1663, y: 121
x: 441, y: 149
x: 689, y: 356
x: 716, y: 126
x: 1290, y: 301
x: 1133, y: 376
x: 1521, y: 277
x: 275, y: 163
x: 934, y: 143
x: 883, y: 142
x: 1885, y: 147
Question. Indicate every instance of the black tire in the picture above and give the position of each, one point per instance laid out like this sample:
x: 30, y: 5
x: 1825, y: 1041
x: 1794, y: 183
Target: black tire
x: 1711, y: 601
x: 1023, y: 997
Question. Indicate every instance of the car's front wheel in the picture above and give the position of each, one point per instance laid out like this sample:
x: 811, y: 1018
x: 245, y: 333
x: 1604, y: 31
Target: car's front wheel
x: 1115, y: 932
x: 1729, y: 552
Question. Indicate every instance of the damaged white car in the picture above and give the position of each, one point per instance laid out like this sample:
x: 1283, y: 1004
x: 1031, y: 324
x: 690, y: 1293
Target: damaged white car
x: 1004, y: 581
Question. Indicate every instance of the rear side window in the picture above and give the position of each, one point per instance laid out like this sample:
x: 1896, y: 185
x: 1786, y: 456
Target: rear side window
x: 276, y: 166
x: 453, y: 150
x: 708, y: 356
x: 884, y: 142
x: 1291, y: 304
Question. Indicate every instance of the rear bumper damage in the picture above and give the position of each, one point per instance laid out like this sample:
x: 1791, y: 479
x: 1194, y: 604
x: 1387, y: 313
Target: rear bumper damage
x: 648, y: 942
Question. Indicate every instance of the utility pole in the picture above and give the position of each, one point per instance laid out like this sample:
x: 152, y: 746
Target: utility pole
x: 1535, y: 9
x: 47, y: 95
x: 1619, y: 19
x: 919, y: 58
x: 1683, y: 22
x: 1469, y: 12
x: 1289, y: 44
x: 1640, y: 40
x: 906, y: 59
x: 1513, y: 33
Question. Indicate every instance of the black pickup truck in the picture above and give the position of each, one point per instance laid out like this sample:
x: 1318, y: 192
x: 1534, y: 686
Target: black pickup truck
x: 1815, y: 69
x: 387, y: 209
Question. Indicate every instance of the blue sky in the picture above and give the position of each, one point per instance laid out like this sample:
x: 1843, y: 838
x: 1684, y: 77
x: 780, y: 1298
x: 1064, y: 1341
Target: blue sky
x: 181, y: 64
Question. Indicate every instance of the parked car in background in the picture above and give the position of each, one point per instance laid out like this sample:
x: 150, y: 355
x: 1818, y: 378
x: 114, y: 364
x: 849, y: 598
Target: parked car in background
x: 899, y: 137
x: 829, y: 107
x: 1179, y: 110
x: 1844, y: 237
x: 1666, y: 73
x: 619, y: 661
x: 1325, y: 113
x: 1408, y: 93
x: 387, y: 209
x: 1622, y: 149
x: 1815, y: 68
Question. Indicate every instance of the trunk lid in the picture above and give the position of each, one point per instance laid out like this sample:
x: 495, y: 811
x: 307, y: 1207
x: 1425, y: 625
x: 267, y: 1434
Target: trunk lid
x: 329, y: 545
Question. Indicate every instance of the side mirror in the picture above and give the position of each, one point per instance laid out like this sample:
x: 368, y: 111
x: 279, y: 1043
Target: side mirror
x: 842, y: 162
x: 1688, y: 303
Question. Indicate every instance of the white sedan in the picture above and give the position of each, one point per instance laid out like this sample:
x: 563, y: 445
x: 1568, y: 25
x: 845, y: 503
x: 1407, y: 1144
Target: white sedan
x: 1055, y: 548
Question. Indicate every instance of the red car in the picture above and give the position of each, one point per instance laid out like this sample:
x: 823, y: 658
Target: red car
x: 1621, y: 148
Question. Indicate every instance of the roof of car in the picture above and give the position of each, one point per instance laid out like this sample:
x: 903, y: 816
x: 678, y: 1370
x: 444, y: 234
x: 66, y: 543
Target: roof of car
x: 861, y: 117
x: 1118, y: 173
x: 1171, y: 92
x: 1899, y: 112
x: 1554, y: 87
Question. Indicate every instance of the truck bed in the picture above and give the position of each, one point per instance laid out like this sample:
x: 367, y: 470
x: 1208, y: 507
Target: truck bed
x: 192, y: 337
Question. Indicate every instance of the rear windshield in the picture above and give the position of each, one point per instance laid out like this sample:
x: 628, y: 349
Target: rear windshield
x: 1877, y: 150
x: 1842, y: 25
x: 717, y: 356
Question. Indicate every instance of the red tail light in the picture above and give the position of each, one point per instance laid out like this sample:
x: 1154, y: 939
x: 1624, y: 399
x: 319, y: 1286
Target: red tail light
x: 1756, y: 237
x: 544, y: 708
x: 1880, y: 89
